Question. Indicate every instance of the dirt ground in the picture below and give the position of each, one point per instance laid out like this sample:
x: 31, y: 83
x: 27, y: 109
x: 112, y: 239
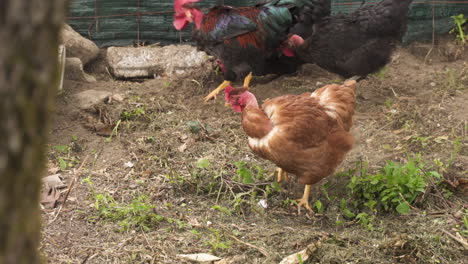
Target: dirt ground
x: 418, y: 104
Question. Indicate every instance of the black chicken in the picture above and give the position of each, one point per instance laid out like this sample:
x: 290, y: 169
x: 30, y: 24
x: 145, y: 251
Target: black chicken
x: 358, y: 43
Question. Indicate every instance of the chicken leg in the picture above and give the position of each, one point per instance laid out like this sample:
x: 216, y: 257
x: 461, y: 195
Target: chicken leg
x: 282, y: 175
x: 247, y: 80
x: 225, y: 84
x: 213, y: 93
x: 304, y: 200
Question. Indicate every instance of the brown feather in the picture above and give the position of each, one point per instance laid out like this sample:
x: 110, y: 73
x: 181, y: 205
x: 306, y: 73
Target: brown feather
x: 305, y: 137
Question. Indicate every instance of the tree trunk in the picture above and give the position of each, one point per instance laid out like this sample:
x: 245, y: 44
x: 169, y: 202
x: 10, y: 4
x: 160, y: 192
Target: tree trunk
x: 29, y: 35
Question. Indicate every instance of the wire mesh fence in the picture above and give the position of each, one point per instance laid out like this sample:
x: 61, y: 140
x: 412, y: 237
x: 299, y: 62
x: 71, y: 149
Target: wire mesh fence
x: 126, y: 22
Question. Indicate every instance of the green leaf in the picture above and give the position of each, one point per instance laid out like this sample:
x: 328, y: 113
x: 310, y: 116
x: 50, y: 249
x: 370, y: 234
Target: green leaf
x: 435, y: 174
x: 403, y: 208
x: 62, y: 148
x: 343, y: 204
x: 348, y: 214
x: 221, y: 209
x: 244, y: 173
x: 203, y: 163
x: 247, y: 177
x: 62, y: 163
x: 194, y: 126
x: 318, y: 204
x: 276, y: 186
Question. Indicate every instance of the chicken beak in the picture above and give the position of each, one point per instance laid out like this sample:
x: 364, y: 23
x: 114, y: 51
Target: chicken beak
x: 189, y: 15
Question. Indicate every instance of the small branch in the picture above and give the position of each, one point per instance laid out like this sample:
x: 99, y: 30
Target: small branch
x: 262, y: 250
x: 72, y: 184
x: 458, y: 239
x: 433, y: 34
x: 75, y: 178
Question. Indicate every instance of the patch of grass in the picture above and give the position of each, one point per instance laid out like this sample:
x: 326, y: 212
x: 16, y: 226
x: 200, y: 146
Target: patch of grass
x: 115, y: 131
x: 132, y: 114
x: 217, y: 240
x: 243, y: 187
x: 454, y: 80
x: 138, y: 214
x: 246, y: 175
x: 395, y: 187
x: 380, y: 74
x: 464, y: 230
x: 64, y: 157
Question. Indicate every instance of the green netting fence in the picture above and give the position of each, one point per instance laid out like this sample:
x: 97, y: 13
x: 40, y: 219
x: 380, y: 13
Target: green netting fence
x: 126, y: 22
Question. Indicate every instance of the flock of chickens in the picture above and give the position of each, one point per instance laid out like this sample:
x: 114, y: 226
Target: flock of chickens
x: 308, y: 134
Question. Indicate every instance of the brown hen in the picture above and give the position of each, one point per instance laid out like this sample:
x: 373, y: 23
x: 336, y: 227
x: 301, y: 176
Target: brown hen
x: 306, y: 135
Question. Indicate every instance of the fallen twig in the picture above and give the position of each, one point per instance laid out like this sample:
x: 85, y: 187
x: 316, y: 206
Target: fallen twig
x: 460, y: 240
x: 262, y: 250
x: 433, y: 34
x: 75, y: 178
x: 72, y: 184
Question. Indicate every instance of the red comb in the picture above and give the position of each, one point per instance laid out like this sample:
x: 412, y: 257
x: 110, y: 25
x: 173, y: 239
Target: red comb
x: 178, y: 4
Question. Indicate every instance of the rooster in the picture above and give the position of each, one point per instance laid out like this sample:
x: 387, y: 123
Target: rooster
x: 358, y: 43
x: 306, y: 135
x: 246, y: 39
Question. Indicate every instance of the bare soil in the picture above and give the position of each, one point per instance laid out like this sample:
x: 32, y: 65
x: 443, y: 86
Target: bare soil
x: 416, y: 96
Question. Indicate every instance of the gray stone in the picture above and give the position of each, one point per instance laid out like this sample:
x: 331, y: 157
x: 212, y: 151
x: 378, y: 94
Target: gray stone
x: 89, y: 98
x: 77, y: 45
x: 149, y: 61
x: 74, y: 71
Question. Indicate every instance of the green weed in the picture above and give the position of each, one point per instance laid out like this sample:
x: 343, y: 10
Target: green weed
x: 217, y: 240
x: 395, y: 187
x: 64, y: 158
x: 458, y: 21
x: 133, y: 113
x: 138, y: 214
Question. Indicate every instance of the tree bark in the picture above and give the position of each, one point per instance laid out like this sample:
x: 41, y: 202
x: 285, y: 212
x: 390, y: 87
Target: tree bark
x: 29, y: 35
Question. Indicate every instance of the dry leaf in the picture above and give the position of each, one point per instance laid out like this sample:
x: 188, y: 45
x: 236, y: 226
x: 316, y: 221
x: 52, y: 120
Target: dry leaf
x: 118, y: 97
x: 407, y: 137
x: 188, y: 142
x: 103, y: 130
x: 200, y: 257
x: 51, y: 168
x: 182, y: 147
x: 128, y: 164
x: 54, y: 181
x: 305, y: 254
x: 194, y: 222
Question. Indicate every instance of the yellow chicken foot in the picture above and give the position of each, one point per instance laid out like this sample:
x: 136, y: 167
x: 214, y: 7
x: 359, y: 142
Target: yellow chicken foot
x: 213, y: 93
x: 282, y: 175
x: 304, y: 200
x: 247, y: 80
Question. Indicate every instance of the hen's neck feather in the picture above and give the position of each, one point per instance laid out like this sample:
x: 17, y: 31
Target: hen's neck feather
x: 255, y: 122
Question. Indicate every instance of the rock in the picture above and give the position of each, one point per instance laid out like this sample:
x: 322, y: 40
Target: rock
x: 77, y: 45
x: 89, y: 98
x: 74, y: 71
x: 129, y: 62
